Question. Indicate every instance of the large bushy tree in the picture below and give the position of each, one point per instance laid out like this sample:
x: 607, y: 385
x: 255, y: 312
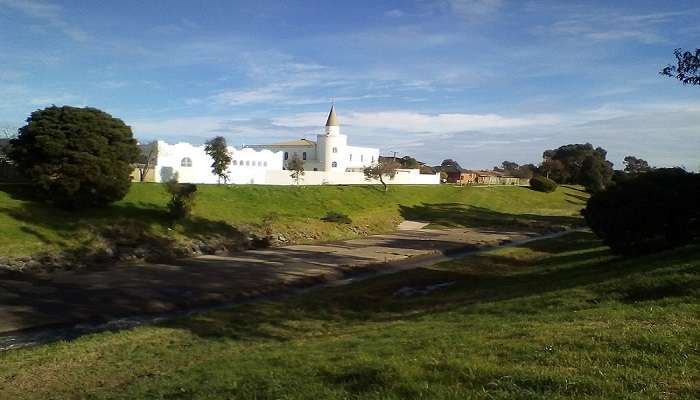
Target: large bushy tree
x: 651, y: 211
x: 218, y: 150
x: 76, y: 157
x: 634, y: 165
x: 580, y: 164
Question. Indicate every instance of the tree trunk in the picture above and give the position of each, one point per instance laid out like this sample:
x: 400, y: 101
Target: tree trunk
x: 386, y: 188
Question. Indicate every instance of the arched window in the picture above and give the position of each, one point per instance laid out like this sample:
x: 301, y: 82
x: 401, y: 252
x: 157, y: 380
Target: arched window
x: 372, y: 158
x: 286, y: 155
x: 334, y: 164
x: 303, y: 156
x: 265, y: 164
x: 186, y: 162
x: 335, y: 149
x: 350, y: 157
x: 259, y: 163
x: 362, y: 157
x: 247, y: 163
x: 235, y: 162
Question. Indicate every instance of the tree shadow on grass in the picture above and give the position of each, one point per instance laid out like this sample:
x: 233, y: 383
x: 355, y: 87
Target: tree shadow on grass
x: 478, y: 279
x: 121, y: 224
x: 456, y: 215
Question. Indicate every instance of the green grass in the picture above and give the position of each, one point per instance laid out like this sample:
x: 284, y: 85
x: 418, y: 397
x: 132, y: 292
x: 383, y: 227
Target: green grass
x: 554, y: 319
x: 27, y: 227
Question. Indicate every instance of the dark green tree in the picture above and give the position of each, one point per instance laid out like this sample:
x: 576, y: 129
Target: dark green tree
x: 580, y: 164
x: 75, y: 157
x: 218, y: 150
x: 634, y: 165
x: 687, y: 68
x: 408, y: 162
x: 647, y: 212
x: 182, y: 197
x: 450, y: 163
x: 507, y: 167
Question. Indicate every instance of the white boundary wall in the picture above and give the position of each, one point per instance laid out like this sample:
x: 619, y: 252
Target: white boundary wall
x: 403, y: 177
x: 247, y: 165
x: 250, y: 166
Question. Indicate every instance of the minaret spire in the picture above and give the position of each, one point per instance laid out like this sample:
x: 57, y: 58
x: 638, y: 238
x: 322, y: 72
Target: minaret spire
x: 332, y: 118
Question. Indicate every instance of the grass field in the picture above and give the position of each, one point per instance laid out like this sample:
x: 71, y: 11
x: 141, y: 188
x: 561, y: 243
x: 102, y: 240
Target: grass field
x: 27, y: 227
x: 554, y: 319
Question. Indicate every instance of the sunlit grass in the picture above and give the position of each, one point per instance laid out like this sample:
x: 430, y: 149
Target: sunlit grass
x: 554, y: 319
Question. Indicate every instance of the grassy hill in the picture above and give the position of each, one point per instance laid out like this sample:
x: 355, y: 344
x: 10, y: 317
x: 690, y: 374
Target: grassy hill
x: 28, y: 227
x: 554, y: 319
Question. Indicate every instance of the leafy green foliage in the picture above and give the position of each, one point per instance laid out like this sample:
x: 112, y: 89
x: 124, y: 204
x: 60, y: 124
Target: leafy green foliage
x: 218, y: 150
x: 182, y: 197
x: 334, y: 216
x: 687, y: 68
x: 634, y: 165
x: 655, y: 210
x: 76, y: 157
x: 579, y: 164
x: 543, y: 184
x: 382, y: 169
x: 408, y: 162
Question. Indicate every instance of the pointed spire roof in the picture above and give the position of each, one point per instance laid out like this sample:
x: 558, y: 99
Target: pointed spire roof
x: 332, y: 118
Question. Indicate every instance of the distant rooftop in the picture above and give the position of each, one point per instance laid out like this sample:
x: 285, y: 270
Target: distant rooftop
x: 300, y: 142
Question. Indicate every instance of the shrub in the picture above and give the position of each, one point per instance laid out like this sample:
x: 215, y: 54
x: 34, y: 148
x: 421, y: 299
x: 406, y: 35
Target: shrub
x: 653, y: 211
x: 340, y: 218
x: 543, y: 184
x: 75, y: 157
x: 182, y: 196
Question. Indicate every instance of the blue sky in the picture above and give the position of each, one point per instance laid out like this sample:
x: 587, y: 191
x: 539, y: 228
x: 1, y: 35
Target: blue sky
x: 479, y: 81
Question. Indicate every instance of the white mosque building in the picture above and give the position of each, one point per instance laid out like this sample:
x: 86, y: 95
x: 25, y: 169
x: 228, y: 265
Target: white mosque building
x: 328, y: 160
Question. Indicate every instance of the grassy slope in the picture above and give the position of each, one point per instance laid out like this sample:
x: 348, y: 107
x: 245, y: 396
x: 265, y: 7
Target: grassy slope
x: 28, y: 227
x: 552, y: 319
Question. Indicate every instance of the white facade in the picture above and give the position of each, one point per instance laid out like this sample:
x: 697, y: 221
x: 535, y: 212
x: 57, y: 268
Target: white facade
x: 330, y: 152
x: 191, y: 164
x: 328, y: 160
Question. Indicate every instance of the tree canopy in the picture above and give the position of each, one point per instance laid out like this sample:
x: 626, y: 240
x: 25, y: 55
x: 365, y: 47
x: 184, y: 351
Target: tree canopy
x: 409, y: 162
x: 580, y: 164
x: 217, y: 149
x: 450, y: 163
x: 634, y: 165
x: 382, y: 169
x: 687, y: 68
x: 75, y: 157
x: 647, y: 212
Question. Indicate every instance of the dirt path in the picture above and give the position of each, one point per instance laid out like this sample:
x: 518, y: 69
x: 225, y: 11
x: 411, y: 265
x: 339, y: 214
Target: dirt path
x: 107, y: 293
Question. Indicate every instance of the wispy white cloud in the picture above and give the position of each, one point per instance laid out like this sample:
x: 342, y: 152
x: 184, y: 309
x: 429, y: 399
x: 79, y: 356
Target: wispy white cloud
x: 408, y: 121
x: 475, y: 8
x: 111, y: 84
x: 663, y: 133
x: 598, y: 27
x: 48, y: 12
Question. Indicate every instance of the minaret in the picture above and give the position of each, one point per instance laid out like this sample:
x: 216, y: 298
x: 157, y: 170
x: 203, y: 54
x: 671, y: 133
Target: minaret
x: 331, y: 146
x: 332, y: 127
